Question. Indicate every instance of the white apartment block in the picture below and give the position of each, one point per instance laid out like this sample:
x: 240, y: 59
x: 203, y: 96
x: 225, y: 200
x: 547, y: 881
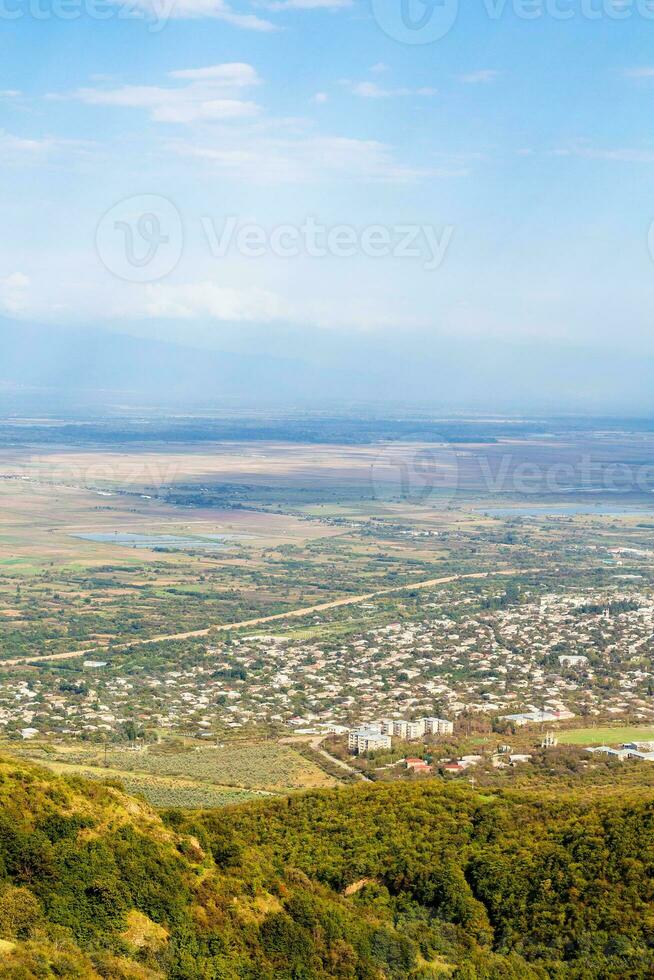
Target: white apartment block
x: 409, y: 730
x: 367, y: 739
x: 402, y: 729
x: 438, y: 726
x: 377, y: 735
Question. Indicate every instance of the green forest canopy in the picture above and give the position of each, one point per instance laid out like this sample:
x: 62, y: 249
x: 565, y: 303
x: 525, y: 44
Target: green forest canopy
x: 399, y: 880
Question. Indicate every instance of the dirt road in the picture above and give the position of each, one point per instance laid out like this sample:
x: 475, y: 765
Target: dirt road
x: 316, y: 745
x: 261, y: 620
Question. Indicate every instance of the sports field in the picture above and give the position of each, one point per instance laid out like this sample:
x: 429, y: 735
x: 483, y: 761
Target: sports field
x: 606, y: 735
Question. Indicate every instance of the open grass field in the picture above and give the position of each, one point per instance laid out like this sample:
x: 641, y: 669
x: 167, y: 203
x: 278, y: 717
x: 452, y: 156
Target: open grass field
x: 605, y: 736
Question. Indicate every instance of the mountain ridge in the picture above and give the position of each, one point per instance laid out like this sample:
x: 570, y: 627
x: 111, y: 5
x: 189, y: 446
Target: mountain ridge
x: 100, y: 363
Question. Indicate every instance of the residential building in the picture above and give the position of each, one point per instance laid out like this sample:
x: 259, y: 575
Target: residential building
x: 418, y: 765
x: 410, y: 730
x: 367, y: 739
x: 438, y: 726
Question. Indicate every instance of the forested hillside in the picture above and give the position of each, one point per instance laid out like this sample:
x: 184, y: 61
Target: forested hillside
x: 403, y: 880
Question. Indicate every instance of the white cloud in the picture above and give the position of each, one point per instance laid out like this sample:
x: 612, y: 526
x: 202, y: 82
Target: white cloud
x: 639, y: 72
x: 10, y: 144
x: 378, y: 68
x: 192, y: 301
x: 236, y: 74
x: 610, y: 154
x: 482, y: 76
x: 203, y: 301
x: 264, y: 159
x: 14, y: 293
x: 21, y: 149
x: 247, y: 145
x: 254, y: 147
x: 160, y: 11
x: 370, y: 90
x: 307, y: 4
x: 208, y: 94
x: 205, y: 110
x: 305, y: 296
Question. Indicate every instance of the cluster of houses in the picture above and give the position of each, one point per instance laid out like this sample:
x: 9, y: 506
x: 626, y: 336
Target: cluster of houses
x: 542, y: 661
x: 538, y: 661
x: 453, y: 766
x: 502, y: 758
x: 378, y: 735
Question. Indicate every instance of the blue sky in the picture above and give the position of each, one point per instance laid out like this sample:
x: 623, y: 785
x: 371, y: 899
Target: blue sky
x: 525, y: 145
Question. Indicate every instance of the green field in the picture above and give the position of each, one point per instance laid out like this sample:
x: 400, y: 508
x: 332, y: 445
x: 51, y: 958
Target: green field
x: 605, y: 736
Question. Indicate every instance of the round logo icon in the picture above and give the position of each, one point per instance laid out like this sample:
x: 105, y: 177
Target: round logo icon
x: 140, y: 239
x: 425, y: 476
x: 416, y: 21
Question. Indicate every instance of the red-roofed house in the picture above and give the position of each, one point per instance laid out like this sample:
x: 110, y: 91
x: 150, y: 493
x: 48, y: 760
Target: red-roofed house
x: 418, y: 765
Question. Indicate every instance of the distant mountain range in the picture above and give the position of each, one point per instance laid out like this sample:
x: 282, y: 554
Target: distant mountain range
x: 44, y: 367
x: 90, y: 365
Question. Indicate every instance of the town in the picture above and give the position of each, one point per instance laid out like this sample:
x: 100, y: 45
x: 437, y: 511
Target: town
x: 545, y: 658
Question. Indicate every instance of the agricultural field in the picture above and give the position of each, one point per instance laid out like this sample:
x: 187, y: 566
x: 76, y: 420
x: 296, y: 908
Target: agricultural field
x: 160, y: 792
x: 257, y: 766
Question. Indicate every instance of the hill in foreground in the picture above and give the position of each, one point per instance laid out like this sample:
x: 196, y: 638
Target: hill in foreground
x: 403, y: 880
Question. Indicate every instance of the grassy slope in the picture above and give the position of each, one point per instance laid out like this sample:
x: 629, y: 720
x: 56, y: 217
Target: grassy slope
x: 446, y: 882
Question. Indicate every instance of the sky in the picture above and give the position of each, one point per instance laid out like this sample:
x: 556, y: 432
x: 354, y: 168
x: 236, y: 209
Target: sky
x: 331, y: 175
